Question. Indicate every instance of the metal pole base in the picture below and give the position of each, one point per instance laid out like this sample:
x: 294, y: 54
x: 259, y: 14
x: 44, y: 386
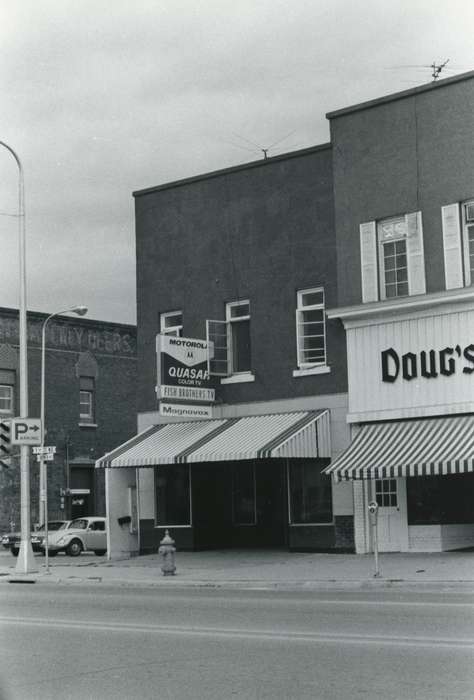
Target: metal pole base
x: 25, y: 563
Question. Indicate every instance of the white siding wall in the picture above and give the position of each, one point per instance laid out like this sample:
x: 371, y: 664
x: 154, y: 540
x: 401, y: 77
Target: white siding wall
x: 372, y: 399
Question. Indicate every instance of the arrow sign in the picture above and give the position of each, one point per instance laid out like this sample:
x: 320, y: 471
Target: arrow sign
x: 26, y: 431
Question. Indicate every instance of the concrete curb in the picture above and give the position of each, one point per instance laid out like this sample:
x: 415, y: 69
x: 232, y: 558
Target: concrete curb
x: 461, y: 586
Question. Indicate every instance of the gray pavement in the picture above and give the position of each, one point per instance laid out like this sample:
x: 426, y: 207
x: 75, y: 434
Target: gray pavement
x: 258, y: 569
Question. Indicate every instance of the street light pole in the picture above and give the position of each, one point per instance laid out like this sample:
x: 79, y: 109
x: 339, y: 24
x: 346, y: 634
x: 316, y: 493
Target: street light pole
x: 80, y: 311
x: 25, y: 562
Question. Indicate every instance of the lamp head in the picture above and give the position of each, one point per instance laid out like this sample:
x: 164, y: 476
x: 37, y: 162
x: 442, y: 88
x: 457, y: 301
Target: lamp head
x: 80, y: 310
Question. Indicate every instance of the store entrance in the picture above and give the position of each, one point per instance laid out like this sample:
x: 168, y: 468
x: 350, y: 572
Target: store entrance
x: 239, y: 504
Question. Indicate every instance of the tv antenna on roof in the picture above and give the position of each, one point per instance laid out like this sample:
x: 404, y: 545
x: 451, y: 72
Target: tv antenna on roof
x: 437, y: 68
x: 260, y: 148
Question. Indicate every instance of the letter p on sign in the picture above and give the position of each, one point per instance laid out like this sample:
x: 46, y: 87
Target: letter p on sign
x: 26, y: 431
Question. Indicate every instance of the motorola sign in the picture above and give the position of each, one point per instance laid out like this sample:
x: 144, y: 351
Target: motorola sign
x: 26, y: 431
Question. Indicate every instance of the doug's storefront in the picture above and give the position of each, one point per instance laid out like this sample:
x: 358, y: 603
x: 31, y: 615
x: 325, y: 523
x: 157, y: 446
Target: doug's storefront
x: 411, y: 412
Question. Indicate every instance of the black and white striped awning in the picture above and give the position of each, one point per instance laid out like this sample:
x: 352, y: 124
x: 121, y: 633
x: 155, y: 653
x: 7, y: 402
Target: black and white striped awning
x: 283, y: 435
x: 420, y: 447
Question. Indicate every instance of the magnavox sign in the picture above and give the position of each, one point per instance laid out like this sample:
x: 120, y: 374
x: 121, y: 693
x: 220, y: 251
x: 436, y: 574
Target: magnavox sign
x: 182, y: 369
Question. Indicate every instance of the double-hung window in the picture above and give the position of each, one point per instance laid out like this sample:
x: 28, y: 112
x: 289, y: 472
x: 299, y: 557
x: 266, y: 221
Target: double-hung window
x: 392, y: 257
x: 311, y: 328
x: 458, y: 241
x: 171, y: 323
x: 6, y: 400
x: 393, y: 261
x: 86, y: 400
x: 468, y: 241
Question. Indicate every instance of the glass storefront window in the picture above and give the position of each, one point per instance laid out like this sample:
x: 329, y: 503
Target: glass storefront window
x: 440, y: 500
x: 243, y: 494
x: 172, y: 491
x: 310, y: 492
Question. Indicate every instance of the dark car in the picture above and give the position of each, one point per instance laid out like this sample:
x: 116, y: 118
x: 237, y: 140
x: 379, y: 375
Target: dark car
x: 11, y: 540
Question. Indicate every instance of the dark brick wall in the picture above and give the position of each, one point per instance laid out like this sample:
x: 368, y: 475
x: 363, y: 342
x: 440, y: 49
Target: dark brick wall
x: 113, y: 349
x: 344, y: 532
x: 410, y: 154
x: 259, y: 232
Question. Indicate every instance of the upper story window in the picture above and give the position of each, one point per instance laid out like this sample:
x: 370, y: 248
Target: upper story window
x: 171, y: 323
x: 231, y: 344
x: 468, y: 241
x: 6, y: 399
x: 86, y: 400
x: 310, y: 328
x: 458, y: 241
x: 393, y: 261
x: 392, y: 257
x: 238, y: 335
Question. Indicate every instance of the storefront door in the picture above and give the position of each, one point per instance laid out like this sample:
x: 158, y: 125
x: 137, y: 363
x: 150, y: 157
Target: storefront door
x: 390, y: 495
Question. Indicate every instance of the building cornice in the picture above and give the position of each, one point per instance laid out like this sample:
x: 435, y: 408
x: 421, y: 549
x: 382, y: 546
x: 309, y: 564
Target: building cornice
x: 402, y: 305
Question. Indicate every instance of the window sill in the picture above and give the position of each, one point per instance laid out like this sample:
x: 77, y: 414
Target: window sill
x: 88, y: 425
x: 320, y: 369
x: 238, y: 378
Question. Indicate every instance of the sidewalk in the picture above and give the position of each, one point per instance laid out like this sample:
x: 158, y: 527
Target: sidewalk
x: 259, y: 569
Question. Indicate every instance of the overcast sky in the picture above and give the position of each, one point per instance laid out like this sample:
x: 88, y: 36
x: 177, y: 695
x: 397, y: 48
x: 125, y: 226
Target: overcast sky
x: 102, y: 98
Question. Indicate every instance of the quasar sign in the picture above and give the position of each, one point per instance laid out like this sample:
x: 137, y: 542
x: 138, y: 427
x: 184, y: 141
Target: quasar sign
x: 182, y: 368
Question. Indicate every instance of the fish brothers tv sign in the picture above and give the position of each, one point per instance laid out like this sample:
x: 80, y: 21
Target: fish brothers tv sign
x: 183, y: 372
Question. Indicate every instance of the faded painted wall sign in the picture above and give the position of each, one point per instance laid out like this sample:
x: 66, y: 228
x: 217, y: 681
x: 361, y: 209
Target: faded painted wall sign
x: 70, y: 336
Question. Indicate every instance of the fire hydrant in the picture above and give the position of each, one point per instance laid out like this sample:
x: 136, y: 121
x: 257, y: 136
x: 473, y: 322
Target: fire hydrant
x: 167, y: 550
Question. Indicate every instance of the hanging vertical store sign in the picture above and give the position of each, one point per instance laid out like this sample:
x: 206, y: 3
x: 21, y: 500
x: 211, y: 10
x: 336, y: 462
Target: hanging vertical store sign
x: 183, y: 370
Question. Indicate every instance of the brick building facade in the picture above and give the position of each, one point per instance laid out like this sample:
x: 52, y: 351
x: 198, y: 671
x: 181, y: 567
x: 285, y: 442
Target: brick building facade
x: 333, y: 287
x: 90, y: 406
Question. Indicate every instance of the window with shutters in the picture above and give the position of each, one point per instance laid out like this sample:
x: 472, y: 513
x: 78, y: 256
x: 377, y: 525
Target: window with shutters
x: 468, y: 240
x: 171, y: 323
x: 392, y: 257
x: 458, y: 242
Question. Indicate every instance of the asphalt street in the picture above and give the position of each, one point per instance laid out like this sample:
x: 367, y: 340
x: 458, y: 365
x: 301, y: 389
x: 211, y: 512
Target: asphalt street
x: 100, y: 642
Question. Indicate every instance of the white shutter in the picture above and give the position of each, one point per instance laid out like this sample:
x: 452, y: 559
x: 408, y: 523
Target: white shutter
x: 218, y: 361
x: 452, y: 246
x: 368, y: 261
x: 415, y: 254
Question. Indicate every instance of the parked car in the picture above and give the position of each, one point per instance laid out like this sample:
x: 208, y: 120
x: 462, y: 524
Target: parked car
x: 13, y: 538
x: 81, y: 535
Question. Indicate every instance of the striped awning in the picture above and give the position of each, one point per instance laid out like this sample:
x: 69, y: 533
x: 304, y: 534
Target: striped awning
x: 420, y: 447
x: 298, y: 434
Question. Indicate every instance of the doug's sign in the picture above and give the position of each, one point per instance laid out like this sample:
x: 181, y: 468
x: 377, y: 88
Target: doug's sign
x: 182, y: 369
x: 427, y: 363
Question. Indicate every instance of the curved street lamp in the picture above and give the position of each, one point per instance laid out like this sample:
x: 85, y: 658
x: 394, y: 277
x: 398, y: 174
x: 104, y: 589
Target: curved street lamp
x: 25, y: 562
x: 80, y: 311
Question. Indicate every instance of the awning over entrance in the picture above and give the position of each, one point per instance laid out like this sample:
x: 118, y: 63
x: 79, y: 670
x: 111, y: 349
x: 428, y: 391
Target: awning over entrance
x: 421, y: 447
x: 298, y: 434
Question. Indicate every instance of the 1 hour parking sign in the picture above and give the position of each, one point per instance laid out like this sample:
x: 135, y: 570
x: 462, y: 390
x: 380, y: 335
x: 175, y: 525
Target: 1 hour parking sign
x: 26, y: 431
